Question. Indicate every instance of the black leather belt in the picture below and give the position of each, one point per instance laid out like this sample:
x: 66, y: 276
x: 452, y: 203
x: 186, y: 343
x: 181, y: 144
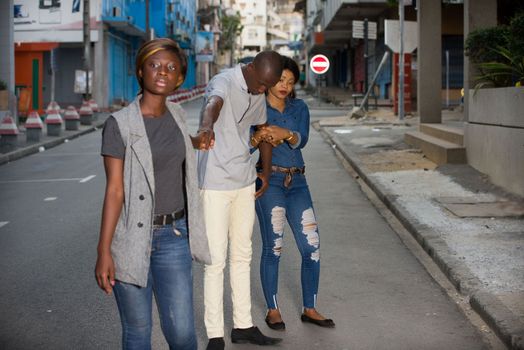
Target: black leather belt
x: 168, y: 219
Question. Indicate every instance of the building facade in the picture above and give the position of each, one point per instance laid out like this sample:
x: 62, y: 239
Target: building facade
x: 329, y: 31
x: 285, y: 27
x: 253, y: 18
x: 48, y: 39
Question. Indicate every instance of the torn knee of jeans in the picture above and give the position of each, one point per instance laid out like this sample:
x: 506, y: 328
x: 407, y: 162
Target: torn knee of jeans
x: 309, y: 227
x: 315, y: 256
x: 278, y: 220
x: 277, y: 247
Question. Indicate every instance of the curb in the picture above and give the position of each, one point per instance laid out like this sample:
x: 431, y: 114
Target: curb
x: 498, y: 317
x: 33, y: 148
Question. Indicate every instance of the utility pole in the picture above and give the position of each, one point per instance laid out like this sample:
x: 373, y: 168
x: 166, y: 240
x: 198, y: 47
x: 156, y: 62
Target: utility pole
x: 87, y: 46
x: 148, y: 27
x: 401, y: 70
x: 53, y: 74
x: 366, y: 58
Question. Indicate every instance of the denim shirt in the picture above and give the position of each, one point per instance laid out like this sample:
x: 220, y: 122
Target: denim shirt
x: 295, y: 118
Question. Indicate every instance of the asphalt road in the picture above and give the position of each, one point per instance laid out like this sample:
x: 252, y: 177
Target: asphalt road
x: 371, y: 285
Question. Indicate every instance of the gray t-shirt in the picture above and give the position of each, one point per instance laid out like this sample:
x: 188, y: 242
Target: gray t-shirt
x: 168, y: 152
x: 229, y: 165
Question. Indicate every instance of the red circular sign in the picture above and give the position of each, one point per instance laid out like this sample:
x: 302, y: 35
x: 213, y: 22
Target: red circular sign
x: 319, y: 64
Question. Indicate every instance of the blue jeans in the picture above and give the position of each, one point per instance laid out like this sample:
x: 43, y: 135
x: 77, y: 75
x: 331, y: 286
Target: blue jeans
x: 171, y: 281
x: 276, y: 205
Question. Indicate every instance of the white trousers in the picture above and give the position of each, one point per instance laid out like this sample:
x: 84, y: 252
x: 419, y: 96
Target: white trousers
x: 229, y: 217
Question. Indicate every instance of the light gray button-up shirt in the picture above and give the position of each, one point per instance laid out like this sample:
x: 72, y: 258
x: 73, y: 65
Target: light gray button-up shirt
x: 229, y: 165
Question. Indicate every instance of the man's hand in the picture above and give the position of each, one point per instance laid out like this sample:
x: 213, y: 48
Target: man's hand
x: 264, y: 178
x: 204, y: 139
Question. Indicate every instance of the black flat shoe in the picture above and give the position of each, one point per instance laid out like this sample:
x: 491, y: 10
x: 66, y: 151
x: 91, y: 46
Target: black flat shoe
x: 277, y: 326
x: 326, y: 323
x: 252, y: 335
x: 216, y: 344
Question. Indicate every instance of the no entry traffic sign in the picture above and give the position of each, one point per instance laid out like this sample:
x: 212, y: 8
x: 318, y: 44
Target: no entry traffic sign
x: 319, y: 64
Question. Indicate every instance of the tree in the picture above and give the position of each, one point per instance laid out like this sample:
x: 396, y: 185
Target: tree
x: 231, y: 29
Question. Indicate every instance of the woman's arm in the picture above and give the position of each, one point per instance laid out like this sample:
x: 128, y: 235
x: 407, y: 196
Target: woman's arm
x: 113, y: 201
x: 303, y: 127
x: 295, y: 138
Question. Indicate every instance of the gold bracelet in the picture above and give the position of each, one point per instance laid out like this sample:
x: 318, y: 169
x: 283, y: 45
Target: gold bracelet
x: 254, y: 141
x: 290, y: 137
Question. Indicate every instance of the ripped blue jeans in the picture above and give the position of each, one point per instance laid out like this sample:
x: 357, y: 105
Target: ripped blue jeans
x: 171, y: 281
x: 274, y: 207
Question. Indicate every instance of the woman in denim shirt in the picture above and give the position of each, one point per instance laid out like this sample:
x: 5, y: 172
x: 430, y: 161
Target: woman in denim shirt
x: 288, y: 198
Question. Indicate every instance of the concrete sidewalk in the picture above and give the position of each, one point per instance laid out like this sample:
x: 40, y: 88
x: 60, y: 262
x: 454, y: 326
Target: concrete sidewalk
x: 481, y: 251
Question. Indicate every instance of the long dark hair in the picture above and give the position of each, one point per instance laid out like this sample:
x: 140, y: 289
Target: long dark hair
x: 289, y: 63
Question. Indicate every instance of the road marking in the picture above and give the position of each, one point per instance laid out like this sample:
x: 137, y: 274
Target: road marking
x: 49, y: 199
x: 45, y: 180
x: 85, y: 179
x: 3, y: 223
x: 69, y: 154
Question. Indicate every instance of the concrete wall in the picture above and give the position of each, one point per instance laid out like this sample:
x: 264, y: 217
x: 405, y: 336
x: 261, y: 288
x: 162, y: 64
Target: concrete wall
x: 68, y: 60
x: 477, y: 14
x: 494, y: 136
x: 500, y: 106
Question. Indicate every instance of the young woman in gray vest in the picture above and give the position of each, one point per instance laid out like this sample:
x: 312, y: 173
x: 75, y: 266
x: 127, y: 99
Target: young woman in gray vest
x: 288, y: 198
x: 151, y: 203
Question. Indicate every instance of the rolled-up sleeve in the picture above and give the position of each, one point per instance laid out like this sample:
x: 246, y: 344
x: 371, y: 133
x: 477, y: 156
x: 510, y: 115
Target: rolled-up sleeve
x: 303, y: 127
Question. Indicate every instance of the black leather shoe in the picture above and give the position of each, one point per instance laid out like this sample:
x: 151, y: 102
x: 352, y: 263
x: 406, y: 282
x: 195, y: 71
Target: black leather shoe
x: 277, y: 326
x: 327, y: 323
x: 216, y: 344
x: 252, y: 335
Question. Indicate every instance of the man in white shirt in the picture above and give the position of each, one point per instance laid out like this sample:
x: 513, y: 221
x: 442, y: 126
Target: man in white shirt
x: 234, y: 102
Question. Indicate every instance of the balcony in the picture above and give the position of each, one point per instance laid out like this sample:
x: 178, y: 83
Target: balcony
x: 124, y: 24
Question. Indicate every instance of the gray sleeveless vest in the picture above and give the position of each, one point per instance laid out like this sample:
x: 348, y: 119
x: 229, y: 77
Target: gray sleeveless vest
x: 131, y: 245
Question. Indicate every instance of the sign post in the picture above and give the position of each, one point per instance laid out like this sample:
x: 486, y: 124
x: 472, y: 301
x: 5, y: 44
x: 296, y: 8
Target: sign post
x: 319, y: 64
x: 368, y: 31
x: 405, y: 43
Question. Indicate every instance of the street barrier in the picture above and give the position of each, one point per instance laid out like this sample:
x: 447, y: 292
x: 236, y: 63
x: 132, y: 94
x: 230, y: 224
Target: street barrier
x: 8, y: 132
x: 72, y: 118
x: 182, y: 95
x: 86, y: 114
x: 33, y: 126
x: 53, y: 106
x: 54, y: 123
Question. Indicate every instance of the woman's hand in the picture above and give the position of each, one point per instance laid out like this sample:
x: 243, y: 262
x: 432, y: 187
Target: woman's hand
x: 105, y: 272
x: 276, y: 135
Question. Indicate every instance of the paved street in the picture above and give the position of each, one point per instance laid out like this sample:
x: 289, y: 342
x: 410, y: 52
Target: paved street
x: 371, y: 285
